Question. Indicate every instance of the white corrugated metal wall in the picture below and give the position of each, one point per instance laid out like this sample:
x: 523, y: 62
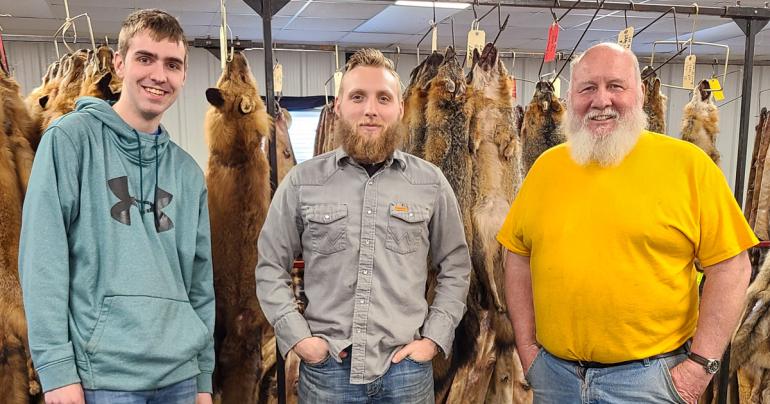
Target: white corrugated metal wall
x: 306, y: 71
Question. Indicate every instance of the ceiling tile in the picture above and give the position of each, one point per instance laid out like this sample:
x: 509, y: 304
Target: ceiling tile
x: 404, y: 20
x: 302, y: 36
x: 355, y: 10
x: 321, y: 24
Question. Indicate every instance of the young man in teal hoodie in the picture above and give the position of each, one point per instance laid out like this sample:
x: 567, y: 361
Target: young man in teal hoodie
x: 115, y: 256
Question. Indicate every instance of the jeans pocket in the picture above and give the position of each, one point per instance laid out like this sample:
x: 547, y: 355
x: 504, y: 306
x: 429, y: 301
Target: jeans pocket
x: 532, y: 365
x: 670, y: 382
x: 410, y: 359
x: 318, y: 364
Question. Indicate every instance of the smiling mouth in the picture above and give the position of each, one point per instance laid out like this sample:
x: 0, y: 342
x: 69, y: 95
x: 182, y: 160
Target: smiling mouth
x: 154, y: 91
x: 602, y: 117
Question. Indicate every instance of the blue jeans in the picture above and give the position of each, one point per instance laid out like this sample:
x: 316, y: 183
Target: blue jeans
x: 406, y: 382
x: 183, y: 392
x: 557, y: 381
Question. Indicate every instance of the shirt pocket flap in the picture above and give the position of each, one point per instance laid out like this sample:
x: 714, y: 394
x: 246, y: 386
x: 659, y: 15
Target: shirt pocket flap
x: 327, y: 213
x: 407, y: 212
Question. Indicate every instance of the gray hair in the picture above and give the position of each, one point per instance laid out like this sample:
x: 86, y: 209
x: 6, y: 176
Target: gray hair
x: 612, y: 45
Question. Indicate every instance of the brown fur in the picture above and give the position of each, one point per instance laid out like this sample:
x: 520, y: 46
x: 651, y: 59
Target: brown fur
x: 753, y: 187
x: 324, y: 134
x: 542, y: 124
x: 415, y: 101
x: 69, y: 88
x: 239, y: 195
x: 284, y: 151
x: 17, y: 376
x: 700, y: 123
x: 760, y: 214
x: 654, y: 103
x: 99, y: 77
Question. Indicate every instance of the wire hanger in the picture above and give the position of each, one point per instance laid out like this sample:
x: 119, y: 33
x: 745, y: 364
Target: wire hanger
x: 69, y: 23
x: 585, y: 31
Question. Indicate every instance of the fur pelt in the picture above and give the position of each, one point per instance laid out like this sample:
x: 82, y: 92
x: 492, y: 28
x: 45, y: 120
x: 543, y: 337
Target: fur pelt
x: 324, y: 133
x: 415, y: 101
x: 654, y: 102
x: 541, y: 128
x: 239, y: 194
x: 38, y: 98
x: 18, y: 382
x: 99, y: 77
x: 284, y: 152
x: 69, y: 87
x: 758, y: 155
x: 700, y: 123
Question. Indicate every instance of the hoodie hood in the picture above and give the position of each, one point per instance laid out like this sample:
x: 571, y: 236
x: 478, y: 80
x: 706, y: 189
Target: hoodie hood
x: 137, y: 147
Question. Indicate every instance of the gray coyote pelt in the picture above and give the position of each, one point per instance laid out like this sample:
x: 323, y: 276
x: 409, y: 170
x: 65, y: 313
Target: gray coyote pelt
x: 18, y: 382
x: 654, y: 102
x: 415, y: 101
x: 239, y: 194
x: 700, y: 122
x: 541, y: 128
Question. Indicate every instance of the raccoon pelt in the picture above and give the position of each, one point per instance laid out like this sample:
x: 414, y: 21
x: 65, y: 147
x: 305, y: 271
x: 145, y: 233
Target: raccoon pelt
x: 541, y: 128
x: 99, y: 78
x: 239, y: 194
x: 700, y: 123
x: 284, y: 152
x: 415, y: 101
x: 18, y: 380
x: 654, y: 102
x: 758, y: 155
x: 69, y: 87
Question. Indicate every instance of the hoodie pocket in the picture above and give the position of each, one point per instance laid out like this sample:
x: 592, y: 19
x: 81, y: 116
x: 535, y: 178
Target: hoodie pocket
x: 137, y: 335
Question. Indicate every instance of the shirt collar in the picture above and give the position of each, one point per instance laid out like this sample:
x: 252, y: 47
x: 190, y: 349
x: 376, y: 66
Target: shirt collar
x: 341, y: 157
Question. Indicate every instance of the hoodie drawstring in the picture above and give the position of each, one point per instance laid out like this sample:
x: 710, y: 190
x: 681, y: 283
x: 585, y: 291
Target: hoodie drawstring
x: 141, y: 177
x: 141, y: 185
x: 155, y: 192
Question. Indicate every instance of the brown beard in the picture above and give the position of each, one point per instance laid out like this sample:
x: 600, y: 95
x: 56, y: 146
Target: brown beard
x: 365, y: 150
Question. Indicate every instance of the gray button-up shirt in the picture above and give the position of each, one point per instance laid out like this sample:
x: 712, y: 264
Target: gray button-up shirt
x: 365, y: 242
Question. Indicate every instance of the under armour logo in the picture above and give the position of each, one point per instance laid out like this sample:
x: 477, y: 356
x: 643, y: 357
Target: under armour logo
x: 121, y: 211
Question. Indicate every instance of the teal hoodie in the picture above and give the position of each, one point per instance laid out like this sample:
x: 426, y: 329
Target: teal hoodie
x: 115, y: 257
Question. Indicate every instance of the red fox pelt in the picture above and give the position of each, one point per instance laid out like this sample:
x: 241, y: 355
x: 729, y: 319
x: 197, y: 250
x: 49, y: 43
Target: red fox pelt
x: 33, y: 101
x: 18, y: 382
x: 542, y: 124
x: 69, y: 87
x: 700, y: 123
x: 99, y: 77
x: 239, y: 194
x: 654, y: 102
x: 415, y: 100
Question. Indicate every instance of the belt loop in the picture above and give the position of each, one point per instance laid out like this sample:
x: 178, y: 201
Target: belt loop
x: 646, y: 362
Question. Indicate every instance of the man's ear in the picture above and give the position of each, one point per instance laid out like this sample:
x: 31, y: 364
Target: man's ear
x: 119, y: 65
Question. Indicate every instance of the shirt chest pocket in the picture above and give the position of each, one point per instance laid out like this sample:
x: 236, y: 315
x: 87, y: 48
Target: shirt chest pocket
x: 327, y: 224
x: 406, y: 227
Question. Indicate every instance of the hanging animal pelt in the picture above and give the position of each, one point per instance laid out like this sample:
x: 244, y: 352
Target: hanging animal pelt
x: 415, y: 100
x: 239, y: 194
x: 284, y: 151
x: 100, y: 79
x: 757, y: 165
x: 541, y: 128
x: 73, y: 70
x: 760, y: 221
x: 324, y: 133
x: 37, y: 99
x: 18, y: 382
x: 518, y: 121
x: 654, y: 102
x: 700, y: 123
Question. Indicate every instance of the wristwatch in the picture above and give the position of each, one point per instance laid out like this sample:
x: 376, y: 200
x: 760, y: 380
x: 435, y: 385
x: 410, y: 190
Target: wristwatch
x: 711, y: 365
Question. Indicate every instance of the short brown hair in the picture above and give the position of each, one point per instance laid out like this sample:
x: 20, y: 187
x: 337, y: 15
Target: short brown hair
x: 373, y: 58
x: 160, y: 25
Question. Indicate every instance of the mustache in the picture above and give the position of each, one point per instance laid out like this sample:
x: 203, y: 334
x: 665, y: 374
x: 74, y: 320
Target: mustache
x: 609, y: 113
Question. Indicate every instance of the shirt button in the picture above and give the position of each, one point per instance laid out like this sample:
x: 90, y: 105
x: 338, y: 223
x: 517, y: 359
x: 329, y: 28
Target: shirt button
x: 411, y: 214
x: 326, y: 216
x: 364, y: 272
x: 366, y: 242
x: 371, y: 182
x: 362, y: 301
x: 369, y: 211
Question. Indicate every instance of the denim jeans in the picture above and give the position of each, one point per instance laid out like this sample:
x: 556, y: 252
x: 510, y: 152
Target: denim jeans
x: 406, y: 382
x: 183, y: 392
x: 557, y: 381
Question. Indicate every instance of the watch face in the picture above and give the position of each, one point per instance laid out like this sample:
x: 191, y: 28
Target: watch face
x: 712, y: 367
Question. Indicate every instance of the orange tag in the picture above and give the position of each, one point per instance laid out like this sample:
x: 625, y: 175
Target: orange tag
x: 513, y: 87
x: 401, y: 208
x: 553, y: 37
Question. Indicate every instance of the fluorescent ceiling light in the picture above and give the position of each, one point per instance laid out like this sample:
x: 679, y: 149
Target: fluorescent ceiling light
x: 437, y: 4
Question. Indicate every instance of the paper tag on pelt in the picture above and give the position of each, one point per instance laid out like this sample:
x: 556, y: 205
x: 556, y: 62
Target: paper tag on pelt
x: 513, y: 88
x: 476, y: 40
x: 434, y: 39
x: 557, y: 87
x: 222, y: 47
x: 553, y: 38
x: 625, y: 37
x: 716, y: 89
x: 688, y: 81
x: 278, y: 78
x: 337, y: 82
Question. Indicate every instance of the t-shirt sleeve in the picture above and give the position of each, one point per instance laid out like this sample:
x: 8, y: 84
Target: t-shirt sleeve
x: 511, y: 235
x: 724, y: 232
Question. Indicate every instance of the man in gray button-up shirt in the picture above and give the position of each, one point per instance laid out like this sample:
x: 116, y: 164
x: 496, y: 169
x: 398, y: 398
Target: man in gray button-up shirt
x: 365, y: 218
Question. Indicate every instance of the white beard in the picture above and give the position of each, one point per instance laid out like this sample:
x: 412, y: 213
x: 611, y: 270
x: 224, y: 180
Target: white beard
x: 605, y: 149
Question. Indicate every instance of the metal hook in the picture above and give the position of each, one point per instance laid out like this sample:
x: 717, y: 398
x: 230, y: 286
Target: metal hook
x: 473, y: 6
x: 572, y: 7
x: 398, y: 56
x: 625, y: 17
x: 601, y: 3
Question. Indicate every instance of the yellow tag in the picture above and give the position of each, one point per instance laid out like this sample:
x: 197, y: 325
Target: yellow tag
x: 557, y: 87
x: 688, y: 81
x: 476, y: 40
x: 716, y: 89
x: 401, y: 208
x: 434, y: 39
x: 222, y: 47
x: 337, y: 82
x: 625, y: 37
x: 278, y: 78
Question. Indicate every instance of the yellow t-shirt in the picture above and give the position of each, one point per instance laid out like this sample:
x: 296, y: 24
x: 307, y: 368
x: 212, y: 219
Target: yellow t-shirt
x: 611, y: 249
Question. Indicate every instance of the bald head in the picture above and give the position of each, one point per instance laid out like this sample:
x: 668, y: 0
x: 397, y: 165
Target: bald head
x: 607, y: 53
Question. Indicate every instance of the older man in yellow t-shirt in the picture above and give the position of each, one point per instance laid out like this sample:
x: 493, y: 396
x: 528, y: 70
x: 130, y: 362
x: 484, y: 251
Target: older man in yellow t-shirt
x: 602, y: 238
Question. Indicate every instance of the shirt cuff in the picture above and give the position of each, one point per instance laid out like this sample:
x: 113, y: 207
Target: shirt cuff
x: 440, y: 329
x: 289, y: 330
x: 58, y: 374
x: 204, y: 383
